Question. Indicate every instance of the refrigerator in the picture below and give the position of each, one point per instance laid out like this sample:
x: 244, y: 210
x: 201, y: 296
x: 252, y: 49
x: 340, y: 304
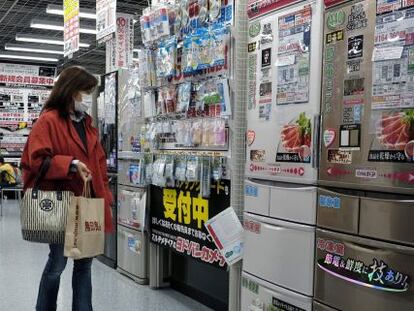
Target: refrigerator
x: 132, y: 237
x: 364, y: 241
x: 107, y: 127
x: 284, y: 74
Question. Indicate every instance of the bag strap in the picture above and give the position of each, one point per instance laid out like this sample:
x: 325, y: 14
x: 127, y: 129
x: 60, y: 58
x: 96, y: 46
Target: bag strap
x: 42, y: 173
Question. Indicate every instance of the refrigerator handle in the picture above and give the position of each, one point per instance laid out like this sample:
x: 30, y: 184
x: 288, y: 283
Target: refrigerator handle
x: 317, y: 121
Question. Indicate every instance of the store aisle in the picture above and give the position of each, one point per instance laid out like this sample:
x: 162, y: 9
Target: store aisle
x: 21, y: 265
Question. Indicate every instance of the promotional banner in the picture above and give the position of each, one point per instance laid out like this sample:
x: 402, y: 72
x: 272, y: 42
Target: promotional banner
x: 119, y: 50
x: 27, y: 74
x: 105, y: 18
x: 257, y: 8
x: 178, y: 216
x: 71, y: 26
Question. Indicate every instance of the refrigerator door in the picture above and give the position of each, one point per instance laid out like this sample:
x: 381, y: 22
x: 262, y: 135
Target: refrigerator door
x: 367, y: 107
x: 353, y: 273
x: 133, y: 253
x: 259, y: 295
x: 131, y: 207
x: 285, y: 50
x: 338, y: 211
x: 280, y: 252
x: 256, y: 197
x: 293, y: 203
x: 388, y: 219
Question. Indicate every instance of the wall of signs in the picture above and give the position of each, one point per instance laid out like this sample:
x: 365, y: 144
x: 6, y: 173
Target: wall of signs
x: 178, y: 216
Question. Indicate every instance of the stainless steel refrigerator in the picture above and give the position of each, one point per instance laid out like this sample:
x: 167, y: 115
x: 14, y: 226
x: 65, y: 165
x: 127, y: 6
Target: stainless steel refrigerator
x: 364, y: 242
x: 284, y: 74
x: 133, y: 246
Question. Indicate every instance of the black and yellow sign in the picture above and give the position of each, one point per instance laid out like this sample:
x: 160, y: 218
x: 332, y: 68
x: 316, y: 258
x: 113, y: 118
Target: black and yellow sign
x: 178, y: 216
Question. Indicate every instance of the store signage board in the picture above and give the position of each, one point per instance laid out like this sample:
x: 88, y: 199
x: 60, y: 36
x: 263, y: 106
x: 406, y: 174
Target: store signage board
x: 71, y: 27
x: 119, y: 50
x: 329, y: 3
x: 256, y: 8
x: 105, y: 18
x: 26, y: 74
x: 179, y: 215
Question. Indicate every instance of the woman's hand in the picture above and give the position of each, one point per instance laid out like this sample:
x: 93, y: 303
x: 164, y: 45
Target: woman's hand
x: 84, y: 172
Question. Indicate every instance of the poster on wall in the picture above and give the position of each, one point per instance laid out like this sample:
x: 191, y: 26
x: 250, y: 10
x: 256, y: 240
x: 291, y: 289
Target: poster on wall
x: 105, y: 18
x: 26, y: 74
x: 71, y: 27
x: 179, y: 215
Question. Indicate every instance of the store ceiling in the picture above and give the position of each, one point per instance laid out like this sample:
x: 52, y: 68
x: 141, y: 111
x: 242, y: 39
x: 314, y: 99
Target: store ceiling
x: 16, y: 15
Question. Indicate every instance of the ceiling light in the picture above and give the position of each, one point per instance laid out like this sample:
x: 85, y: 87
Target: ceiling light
x: 32, y: 48
x: 28, y: 57
x: 44, y: 39
x: 58, y: 10
x: 58, y: 26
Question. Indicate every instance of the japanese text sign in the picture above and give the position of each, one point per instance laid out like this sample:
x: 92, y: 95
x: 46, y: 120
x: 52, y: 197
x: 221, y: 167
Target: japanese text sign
x: 71, y: 26
x: 257, y: 8
x: 105, y: 18
x: 178, y: 216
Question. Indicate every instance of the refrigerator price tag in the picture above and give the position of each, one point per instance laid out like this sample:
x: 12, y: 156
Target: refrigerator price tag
x: 386, y: 53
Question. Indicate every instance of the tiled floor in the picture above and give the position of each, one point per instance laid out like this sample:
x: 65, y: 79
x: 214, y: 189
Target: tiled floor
x: 21, y: 265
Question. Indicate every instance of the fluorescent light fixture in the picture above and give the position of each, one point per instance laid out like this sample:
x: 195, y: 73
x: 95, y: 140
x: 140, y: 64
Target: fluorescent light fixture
x: 58, y: 26
x: 28, y: 57
x: 136, y: 50
x: 32, y: 48
x: 58, y: 10
x: 44, y: 39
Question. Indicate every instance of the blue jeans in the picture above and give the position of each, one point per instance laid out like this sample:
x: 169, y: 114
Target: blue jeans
x: 49, y: 284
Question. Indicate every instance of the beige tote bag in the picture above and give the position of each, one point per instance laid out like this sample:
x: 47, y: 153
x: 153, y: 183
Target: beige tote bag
x: 85, y: 226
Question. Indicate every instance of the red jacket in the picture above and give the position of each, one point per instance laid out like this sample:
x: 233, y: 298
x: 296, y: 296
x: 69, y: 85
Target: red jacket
x: 56, y: 137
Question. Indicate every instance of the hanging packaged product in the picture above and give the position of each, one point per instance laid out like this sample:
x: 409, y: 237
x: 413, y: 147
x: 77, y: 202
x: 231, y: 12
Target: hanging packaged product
x: 205, y: 178
x: 180, y: 169
x: 193, y: 169
x: 220, y: 40
x: 203, y: 12
x: 197, y: 132
x: 145, y: 26
x: 160, y: 103
x: 184, y: 97
x: 185, y: 17
x: 219, y: 132
x: 217, y: 168
x: 208, y: 133
x: 203, y: 47
x: 171, y: 99
x: 188, y: 60
x: 166, y: 58
x: 183, y: 133
x: 169, y: 172
x: 158, y: 172
x: 148, y: 173
x: 194, y: 11
x: 215, y: 10
x: 149, y: 104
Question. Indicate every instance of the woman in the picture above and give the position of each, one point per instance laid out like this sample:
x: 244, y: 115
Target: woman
x: 65, y: 133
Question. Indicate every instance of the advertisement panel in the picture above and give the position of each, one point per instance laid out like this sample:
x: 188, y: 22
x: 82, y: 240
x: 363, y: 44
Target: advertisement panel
x: 71, y: 26
x: 178, y: 216
x: 105, y: 18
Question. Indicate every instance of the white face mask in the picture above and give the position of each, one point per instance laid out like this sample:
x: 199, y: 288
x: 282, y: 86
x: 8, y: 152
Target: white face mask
x: 81, y: 106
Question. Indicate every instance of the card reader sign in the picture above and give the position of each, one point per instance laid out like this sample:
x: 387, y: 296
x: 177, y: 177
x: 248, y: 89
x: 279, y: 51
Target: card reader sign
x: 251, y: 191
x: 329, y: 202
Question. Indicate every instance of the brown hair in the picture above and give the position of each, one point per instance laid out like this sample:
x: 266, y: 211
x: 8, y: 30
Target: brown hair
x: 71, y: 81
